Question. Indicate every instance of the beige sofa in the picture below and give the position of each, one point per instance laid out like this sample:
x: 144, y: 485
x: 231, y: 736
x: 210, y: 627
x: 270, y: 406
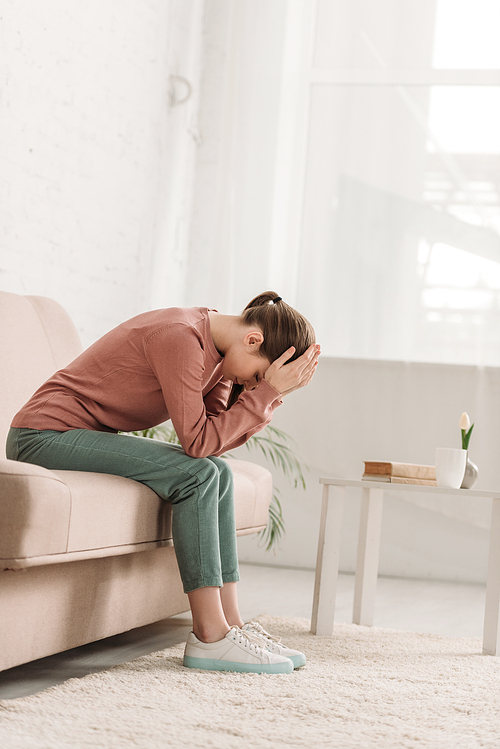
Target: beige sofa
x: 83, y: 556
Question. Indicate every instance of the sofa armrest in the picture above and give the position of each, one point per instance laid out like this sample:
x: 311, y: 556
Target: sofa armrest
x: 253, y: 486
x: 35, y: 508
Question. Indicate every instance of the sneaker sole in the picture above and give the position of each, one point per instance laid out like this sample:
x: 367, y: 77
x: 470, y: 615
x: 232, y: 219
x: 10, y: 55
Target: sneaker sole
x: 297, y: 660
x: 209, y: 664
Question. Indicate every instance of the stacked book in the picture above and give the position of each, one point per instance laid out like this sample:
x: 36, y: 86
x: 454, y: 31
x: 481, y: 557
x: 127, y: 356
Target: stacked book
x: 400, y: 473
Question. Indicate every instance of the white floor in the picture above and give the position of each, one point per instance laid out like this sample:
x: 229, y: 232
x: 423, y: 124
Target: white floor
x: 444, y: 608
x: 452, y: 609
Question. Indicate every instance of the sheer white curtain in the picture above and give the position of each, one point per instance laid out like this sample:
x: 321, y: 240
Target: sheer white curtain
x: 402, y: 203
x: 350, y: 158
x: 240, y: 100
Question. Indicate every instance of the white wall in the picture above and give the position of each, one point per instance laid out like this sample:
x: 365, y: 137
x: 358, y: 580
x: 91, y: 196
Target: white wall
x: 357, y: 410
x: 86, y: 144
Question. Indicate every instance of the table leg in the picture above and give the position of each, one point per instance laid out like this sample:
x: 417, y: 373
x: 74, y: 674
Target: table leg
x: 327, y: 565
x: 491, y: 632
x: 365, y: 584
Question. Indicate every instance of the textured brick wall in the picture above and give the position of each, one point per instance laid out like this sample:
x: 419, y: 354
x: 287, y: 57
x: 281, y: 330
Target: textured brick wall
x: 83, y: 121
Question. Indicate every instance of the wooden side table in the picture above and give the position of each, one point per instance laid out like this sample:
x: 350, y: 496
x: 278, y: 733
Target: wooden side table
x: 372, y: 496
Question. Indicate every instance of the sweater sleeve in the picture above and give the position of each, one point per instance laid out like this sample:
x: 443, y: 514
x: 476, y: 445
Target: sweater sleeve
x: 217, y: 398
x: 177, y: 357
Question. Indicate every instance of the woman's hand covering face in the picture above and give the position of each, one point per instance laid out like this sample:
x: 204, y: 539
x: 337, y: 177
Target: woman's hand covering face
x: 285, y: 378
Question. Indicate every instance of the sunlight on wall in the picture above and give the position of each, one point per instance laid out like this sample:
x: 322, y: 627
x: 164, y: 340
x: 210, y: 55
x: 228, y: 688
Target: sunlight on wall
x: 458, y: 134
x: 459, y: 286
x: 466, y: 34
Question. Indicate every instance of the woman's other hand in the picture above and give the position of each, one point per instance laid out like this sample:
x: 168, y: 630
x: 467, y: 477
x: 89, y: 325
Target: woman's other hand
x: 285, y: 378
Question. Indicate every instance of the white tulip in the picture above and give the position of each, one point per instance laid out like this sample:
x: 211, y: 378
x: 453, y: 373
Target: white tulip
x: 464, y: 422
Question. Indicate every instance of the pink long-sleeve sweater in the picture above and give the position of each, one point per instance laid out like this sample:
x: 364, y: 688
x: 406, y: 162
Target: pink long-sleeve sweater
x: 157, y: 366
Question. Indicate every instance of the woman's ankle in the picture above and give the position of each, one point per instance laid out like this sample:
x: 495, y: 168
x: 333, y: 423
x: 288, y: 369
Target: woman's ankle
x: 235, y: 622
x: 210, y: 623
x: 210, y: 633
x: 229, y: 600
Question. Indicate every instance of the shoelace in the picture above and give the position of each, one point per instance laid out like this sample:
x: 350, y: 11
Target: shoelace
x: 259, y: 630
x: 249, y: 639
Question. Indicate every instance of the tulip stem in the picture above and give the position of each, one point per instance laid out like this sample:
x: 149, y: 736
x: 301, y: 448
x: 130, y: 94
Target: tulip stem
x: 466, y: 437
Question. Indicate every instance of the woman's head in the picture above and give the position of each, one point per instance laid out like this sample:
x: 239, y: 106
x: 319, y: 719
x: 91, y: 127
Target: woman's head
x: 281, y: 326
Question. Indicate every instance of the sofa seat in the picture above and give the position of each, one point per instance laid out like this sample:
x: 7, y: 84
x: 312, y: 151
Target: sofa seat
x: 49, y: 517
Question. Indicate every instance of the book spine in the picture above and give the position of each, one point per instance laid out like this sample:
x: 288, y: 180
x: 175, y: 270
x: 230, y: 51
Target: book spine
x: 398, y: 480
x: 410, y: 480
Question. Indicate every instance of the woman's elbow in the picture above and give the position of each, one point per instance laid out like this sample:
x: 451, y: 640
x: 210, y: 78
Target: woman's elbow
x: 197, y: 451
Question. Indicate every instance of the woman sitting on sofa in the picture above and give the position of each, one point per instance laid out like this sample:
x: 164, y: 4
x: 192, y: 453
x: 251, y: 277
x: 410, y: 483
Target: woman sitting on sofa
x: 218, y: 378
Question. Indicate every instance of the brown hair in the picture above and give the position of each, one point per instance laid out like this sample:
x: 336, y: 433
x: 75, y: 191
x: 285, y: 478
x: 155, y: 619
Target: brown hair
x: 281, y: 326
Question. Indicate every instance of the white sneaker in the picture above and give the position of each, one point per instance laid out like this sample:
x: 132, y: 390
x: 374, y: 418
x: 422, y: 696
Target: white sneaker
x: 274, y: 644
x: 238, y: 651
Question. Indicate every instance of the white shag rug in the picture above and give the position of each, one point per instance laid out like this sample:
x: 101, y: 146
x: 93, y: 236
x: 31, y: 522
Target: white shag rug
x: 362, y: 687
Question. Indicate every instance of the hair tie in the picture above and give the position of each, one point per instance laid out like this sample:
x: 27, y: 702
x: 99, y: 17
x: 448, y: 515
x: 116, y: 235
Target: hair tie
x: 277, y: 299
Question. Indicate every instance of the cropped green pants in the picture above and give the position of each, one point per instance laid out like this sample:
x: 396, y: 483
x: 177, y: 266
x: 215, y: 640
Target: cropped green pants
x: 200, y: 490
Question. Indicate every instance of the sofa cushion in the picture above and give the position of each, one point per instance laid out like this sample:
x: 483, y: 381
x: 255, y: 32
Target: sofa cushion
x: 109, y: 511
x: 58, y: 516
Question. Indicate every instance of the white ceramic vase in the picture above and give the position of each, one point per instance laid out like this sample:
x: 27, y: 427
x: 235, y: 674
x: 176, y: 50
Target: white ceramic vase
x: 470, y: 475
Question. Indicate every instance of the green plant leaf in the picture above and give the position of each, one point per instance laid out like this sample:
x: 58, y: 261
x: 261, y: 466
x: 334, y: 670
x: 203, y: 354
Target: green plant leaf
x: 275, y: 529
x: 161, y: 432
x: 466, y: 437
x: 274, y: 445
